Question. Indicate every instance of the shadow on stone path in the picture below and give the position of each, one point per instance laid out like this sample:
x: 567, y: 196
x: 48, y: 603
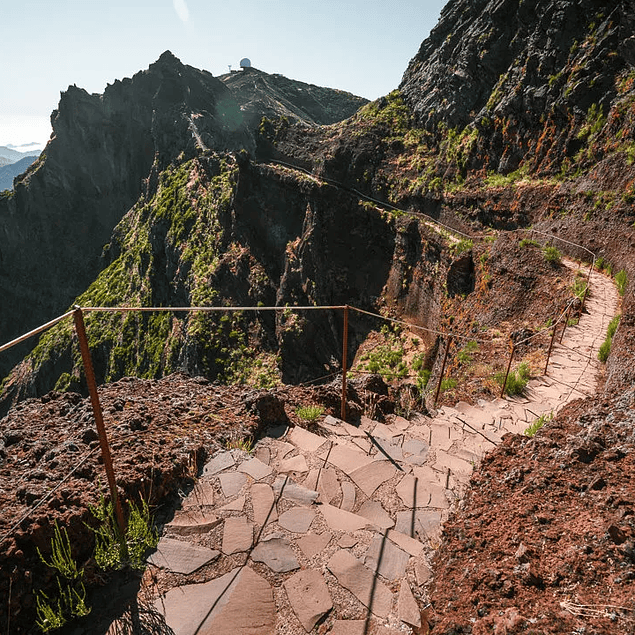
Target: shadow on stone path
x: 336, y: 527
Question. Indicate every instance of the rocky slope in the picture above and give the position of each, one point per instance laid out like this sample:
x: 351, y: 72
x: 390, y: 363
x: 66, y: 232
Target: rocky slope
x: 512, y: 114
x: 263, y: 94
x: 106, y: 151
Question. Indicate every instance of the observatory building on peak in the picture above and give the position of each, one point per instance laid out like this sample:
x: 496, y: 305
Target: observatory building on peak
x: 245, y: 62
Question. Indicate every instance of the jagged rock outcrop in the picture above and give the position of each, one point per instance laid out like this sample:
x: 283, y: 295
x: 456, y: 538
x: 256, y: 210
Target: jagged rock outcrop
x: 105, y: 152
x: 262, y: 94
x: 515, y: 70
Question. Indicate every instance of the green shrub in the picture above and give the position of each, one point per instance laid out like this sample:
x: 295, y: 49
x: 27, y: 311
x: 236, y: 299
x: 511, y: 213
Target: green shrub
x: 621, y: 280
x: 464, y: 355
x: 605, y: 347
x: 552, y: 255
x: 449, y: 383
x: 423, y: 377
x: 579, y: 287
x: 600, y: 263
x: 516, y: 381
x: 310, y: 414
x: 528, y: 242
x: 537, y: 424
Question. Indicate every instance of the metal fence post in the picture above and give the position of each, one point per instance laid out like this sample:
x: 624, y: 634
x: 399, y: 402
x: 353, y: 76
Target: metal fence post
x: 564, y: 325
x: 344, y: 364
x: 445, y: 359
x: 508, y: 369
x: 80, y: 328
x: 553, y: 337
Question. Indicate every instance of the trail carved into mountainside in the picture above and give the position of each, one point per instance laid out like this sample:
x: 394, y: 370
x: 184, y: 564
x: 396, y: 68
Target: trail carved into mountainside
x: 339, y: 526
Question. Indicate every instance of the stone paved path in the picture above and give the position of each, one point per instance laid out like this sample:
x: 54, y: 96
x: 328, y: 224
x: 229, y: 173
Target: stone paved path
x: 338, y: 528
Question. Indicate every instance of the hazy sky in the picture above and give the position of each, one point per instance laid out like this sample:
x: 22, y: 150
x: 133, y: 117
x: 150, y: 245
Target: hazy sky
x: 361, y: 47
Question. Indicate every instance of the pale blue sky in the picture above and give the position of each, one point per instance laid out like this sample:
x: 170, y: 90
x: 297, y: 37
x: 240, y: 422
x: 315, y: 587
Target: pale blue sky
x: 361, y: 47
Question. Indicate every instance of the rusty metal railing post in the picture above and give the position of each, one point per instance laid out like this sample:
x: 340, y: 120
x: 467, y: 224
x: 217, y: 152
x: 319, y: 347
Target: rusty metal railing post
x: 588, y: 286
x: 553, y: 337
x: 445, y: 359
x: 344, y: 364
x: 564, y: 325
x: 80, y: 328
x: 508, y: 369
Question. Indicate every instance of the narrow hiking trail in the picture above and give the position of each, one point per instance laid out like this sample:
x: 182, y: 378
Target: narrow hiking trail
x: 337, y: 527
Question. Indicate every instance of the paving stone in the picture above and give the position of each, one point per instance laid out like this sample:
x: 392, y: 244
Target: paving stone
x: 407, y: 607
x: 192, y: 521
x: 282, y: 448
x: 340, y: 520
x: 231, y: 483
x: 408, y: 544
x: 255, y: 468
x: 202, y: 495
x: 361, y: 582
x: 276, y: 553
x: 376, y: 514
x: 312, y: 544
x: 438, y: 498
x: 309, y: 597
x: 312, y: 478
x: 296, y: 464
x: 399, y: 423
x: 218, y: 607
x: 429, y: 524
x: 427, y: 475
x: 415, y: 450
x: 386, y: 558
x: 328, y: 485
x: 406, y: 523
x: 348, y: 627
x: 363, y: 444
x: 369, y: 477
x: 415, y: 492
x: 347, y: 541
x: 382, y: 430
x: 353, y: 431
x: 219, y: 463
x: 348, y: 496
x: 387, y: 449
x: 263, y: 454
x: 297, y: 519
x: 332, y: 421
x: 456, y: 465
x: 238, y: 535
x: 263, y: 504
x: 235, y: 506
x: 181, y: 557
x: 305, y: 440
x: 292, y: 491
x: 423, y: 573
x: 347, y: 459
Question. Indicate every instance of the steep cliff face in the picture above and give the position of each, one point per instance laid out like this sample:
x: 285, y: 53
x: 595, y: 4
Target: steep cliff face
x: 103, y: 150
x: 223, y: 231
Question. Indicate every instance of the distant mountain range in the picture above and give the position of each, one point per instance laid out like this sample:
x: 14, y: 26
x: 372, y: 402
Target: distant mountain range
x: 10, y: 171
x: 14, y: 162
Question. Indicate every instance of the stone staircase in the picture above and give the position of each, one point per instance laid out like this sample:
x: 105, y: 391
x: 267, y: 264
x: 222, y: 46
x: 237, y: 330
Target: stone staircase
x: 333, y: 530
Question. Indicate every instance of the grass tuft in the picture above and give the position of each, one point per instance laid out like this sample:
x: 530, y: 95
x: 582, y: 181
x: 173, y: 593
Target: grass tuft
x: 310, y: 414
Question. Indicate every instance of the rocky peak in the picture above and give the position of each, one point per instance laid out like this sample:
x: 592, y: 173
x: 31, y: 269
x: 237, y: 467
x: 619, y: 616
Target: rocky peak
x: 498, y: 57
x: 272, y: 95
